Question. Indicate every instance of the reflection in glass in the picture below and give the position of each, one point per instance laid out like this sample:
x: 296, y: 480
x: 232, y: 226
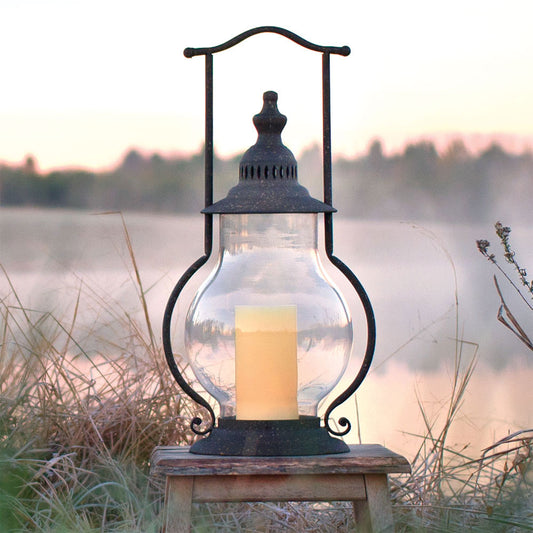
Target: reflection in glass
x: 269, y: 260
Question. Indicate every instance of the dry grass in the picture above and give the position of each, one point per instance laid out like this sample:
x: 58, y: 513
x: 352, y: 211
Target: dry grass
x: 448, y: 490
x: 77, y: 428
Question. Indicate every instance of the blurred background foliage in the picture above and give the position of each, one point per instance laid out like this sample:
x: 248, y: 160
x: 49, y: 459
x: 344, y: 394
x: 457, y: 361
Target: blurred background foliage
x: 418, y: 183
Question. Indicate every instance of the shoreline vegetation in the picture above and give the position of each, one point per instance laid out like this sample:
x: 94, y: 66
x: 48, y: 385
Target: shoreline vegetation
x: 418, y: 183
x: 77, y: 429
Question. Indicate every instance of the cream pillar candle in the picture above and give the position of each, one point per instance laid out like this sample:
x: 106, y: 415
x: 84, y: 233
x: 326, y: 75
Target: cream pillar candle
x: 266, y: 375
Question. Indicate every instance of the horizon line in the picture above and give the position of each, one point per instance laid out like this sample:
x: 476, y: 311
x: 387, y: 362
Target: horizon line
x: 475, y: 144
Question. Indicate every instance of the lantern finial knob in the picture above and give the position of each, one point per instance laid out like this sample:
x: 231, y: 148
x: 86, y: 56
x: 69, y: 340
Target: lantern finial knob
x: 268, y: 159
x: 270, y: 120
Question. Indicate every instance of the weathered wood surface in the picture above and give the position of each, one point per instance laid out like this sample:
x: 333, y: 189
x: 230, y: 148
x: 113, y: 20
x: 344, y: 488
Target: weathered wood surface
x: 361, y: 459
x: 359, y: 476
x: 178, y: 504
x: 278, y: 488
x: 375, y: 513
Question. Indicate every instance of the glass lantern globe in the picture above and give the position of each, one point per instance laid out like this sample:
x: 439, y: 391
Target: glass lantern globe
x: 268, y: 335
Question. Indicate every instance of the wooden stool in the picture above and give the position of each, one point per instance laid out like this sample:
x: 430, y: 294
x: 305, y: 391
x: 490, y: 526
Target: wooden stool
x: 359, y: 476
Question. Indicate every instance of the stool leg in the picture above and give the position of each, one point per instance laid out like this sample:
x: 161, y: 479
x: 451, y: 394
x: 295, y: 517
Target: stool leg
x: 375, y: 513
x: 178, y: 504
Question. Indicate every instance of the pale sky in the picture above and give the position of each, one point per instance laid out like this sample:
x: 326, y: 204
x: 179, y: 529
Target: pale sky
x: 84, y: 81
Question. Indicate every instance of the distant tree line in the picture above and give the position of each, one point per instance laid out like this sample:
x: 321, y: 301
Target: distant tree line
x: 418, y: 183
x: 422, y: 184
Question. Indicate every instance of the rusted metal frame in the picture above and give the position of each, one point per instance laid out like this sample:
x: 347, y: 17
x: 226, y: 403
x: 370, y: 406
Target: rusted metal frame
x: 328, y: 220
x: 209, y: 153
x: 328, y: 239
x: 340, y: 50
x: 197, y: 422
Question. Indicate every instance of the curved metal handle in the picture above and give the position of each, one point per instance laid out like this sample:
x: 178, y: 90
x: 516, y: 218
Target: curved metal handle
x: 370, y: 342
x: 340, y: 50
x: 167, y: 347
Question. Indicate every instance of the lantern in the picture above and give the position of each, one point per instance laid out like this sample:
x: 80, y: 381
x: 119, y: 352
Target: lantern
x: 267, y: 334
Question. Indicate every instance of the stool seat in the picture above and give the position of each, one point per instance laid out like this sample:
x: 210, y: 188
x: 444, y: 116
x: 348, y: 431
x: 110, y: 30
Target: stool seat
x: 359, y: 476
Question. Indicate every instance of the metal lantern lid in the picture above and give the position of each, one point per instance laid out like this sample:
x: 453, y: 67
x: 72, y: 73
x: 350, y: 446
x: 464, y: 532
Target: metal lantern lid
x: 268, y: 173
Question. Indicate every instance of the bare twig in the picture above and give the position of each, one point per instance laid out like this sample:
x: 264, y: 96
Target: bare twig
x: 505, y: 314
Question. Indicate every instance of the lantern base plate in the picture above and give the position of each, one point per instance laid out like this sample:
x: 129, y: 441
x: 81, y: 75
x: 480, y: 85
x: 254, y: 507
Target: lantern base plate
x: 268, y: 438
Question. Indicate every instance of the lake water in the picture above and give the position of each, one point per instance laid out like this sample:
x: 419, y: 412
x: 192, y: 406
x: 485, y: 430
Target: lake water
x: 412, y: 273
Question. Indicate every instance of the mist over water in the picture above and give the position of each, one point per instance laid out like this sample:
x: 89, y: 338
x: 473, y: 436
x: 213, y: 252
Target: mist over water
x: 413, y: 274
